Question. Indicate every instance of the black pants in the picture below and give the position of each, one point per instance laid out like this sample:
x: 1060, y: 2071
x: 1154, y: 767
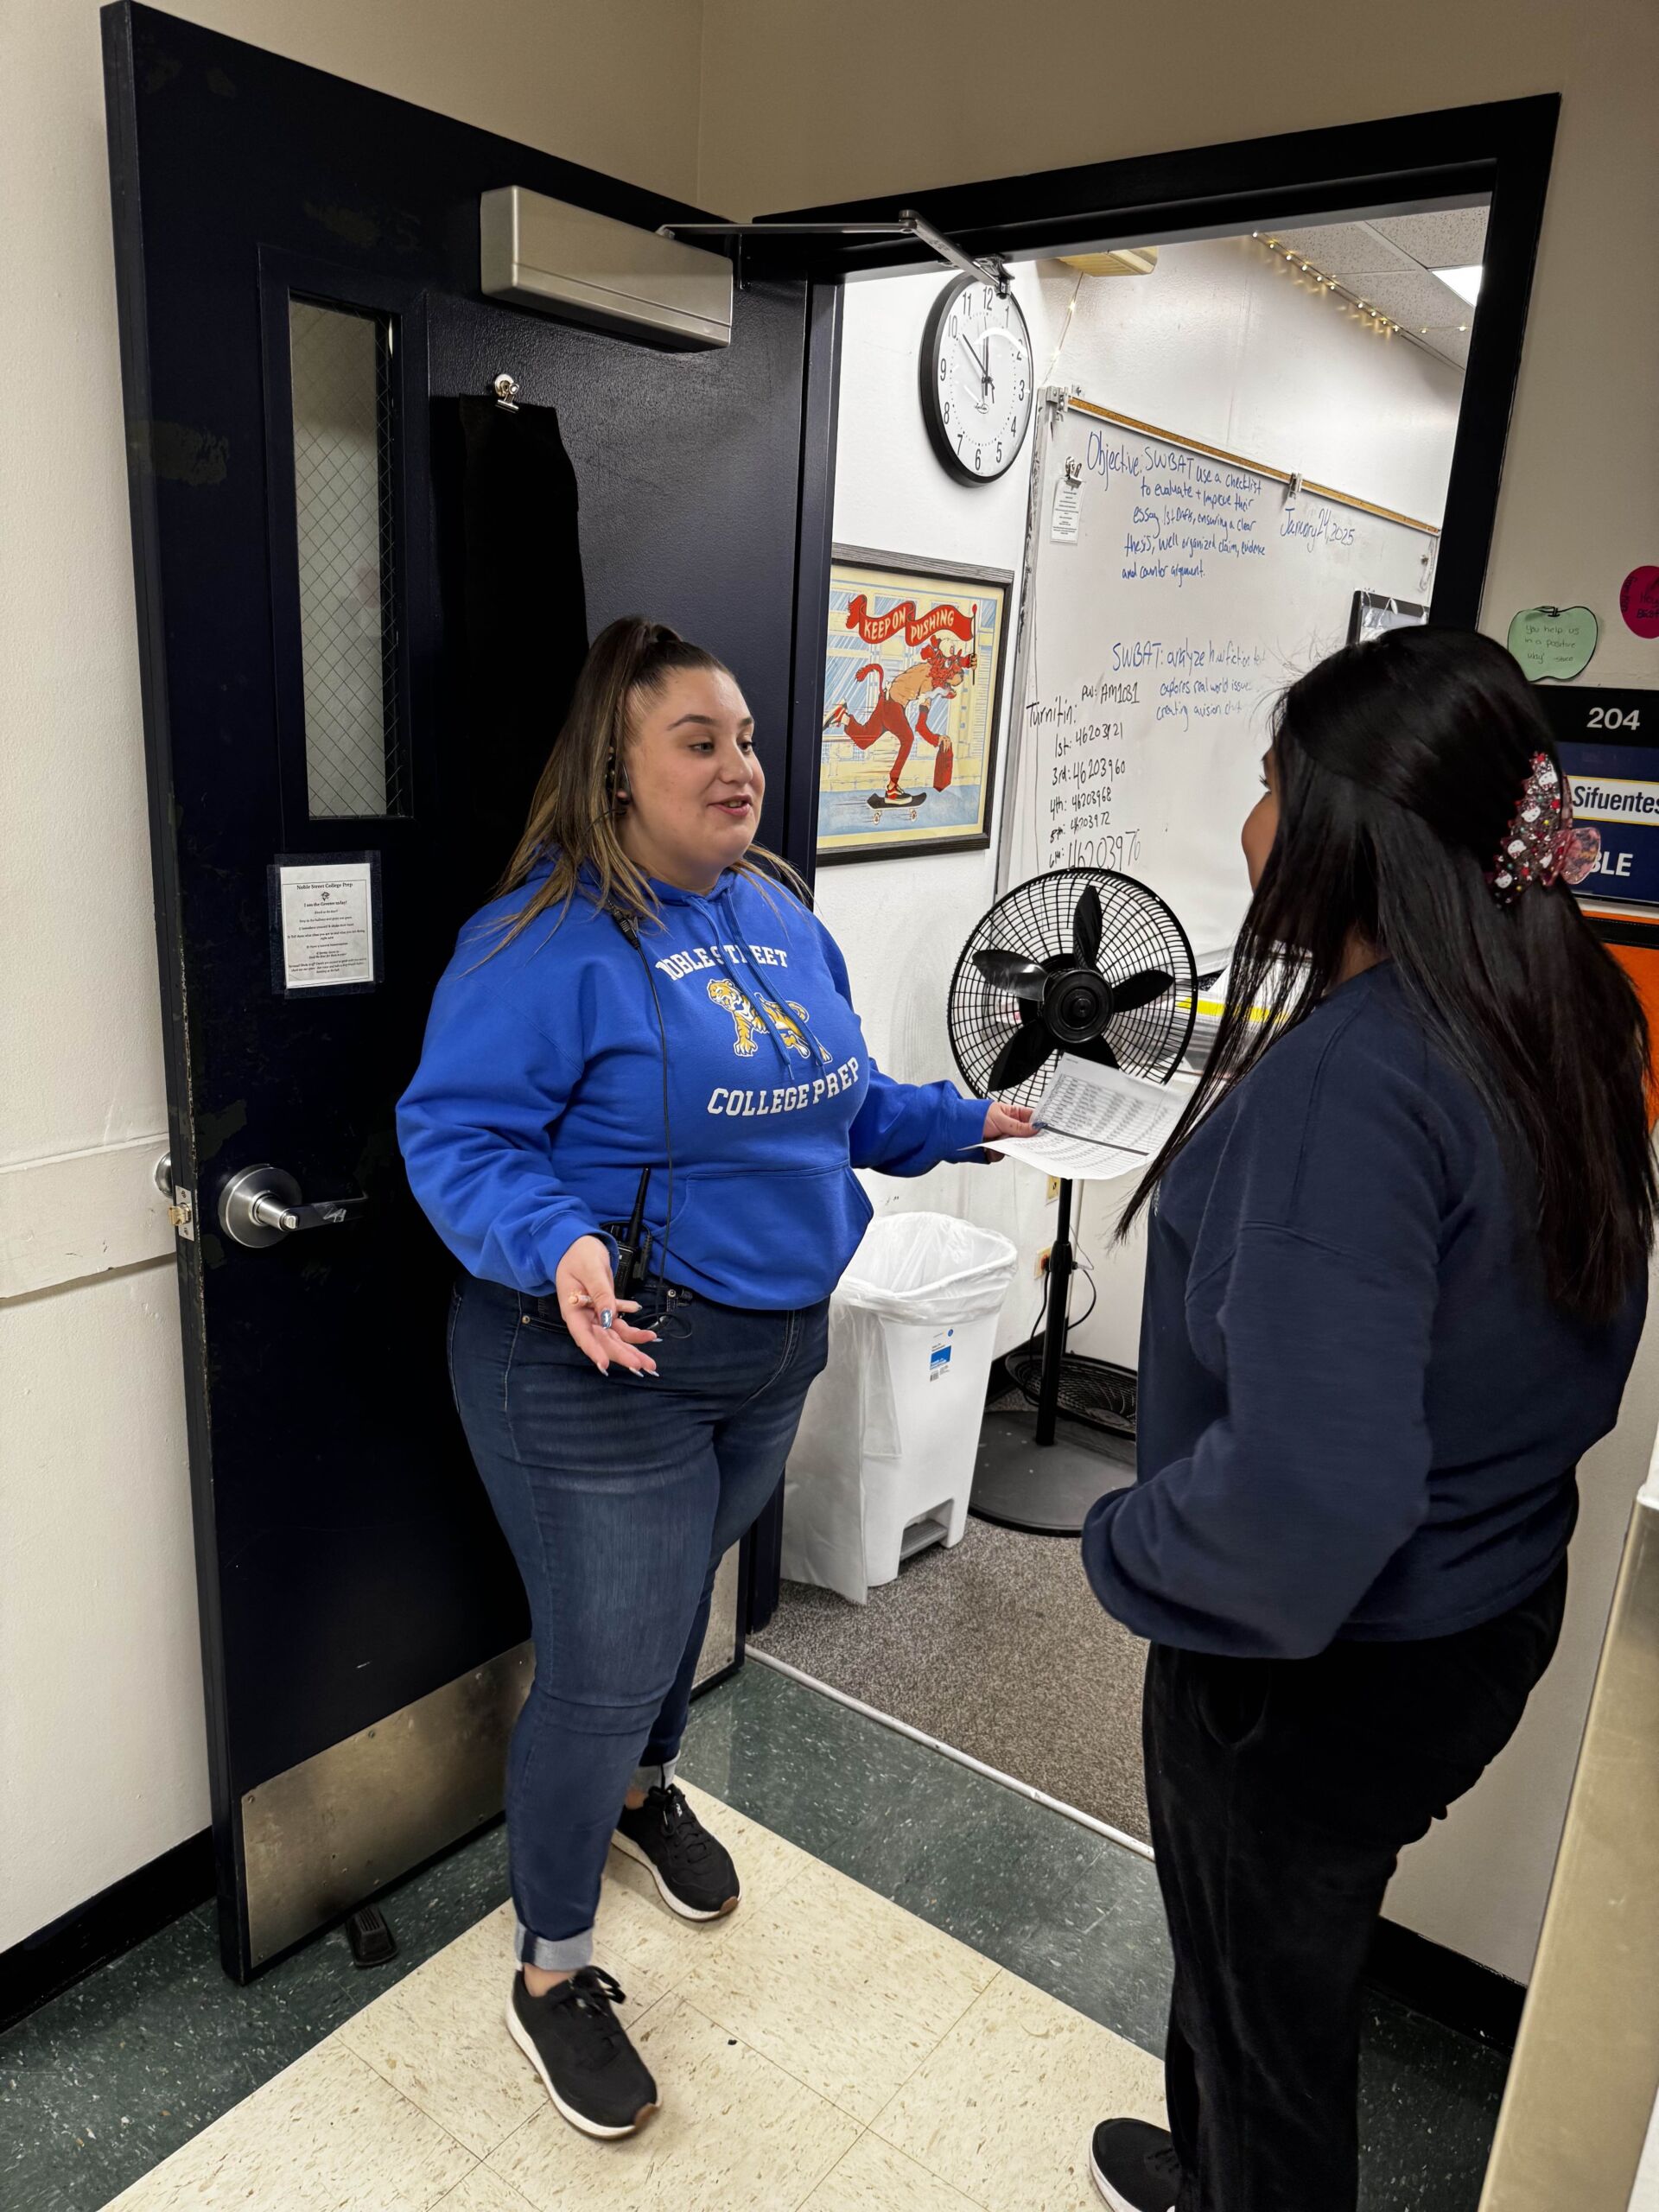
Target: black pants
x: 1282, y: 1794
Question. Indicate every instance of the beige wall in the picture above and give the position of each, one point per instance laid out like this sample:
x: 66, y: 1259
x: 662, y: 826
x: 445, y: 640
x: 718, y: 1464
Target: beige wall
x: 102, y: 1760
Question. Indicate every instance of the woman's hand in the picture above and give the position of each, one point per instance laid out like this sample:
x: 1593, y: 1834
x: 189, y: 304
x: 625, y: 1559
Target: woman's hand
x: 1002, y: 1122
x: 592, y: 1312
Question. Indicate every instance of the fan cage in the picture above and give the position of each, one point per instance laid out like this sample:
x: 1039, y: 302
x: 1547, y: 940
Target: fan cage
x: 1092, y: 1391
x: 1138, y: 932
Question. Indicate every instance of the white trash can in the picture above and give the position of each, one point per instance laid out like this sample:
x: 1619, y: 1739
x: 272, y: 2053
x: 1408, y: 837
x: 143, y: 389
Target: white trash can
x: 884, y: 1460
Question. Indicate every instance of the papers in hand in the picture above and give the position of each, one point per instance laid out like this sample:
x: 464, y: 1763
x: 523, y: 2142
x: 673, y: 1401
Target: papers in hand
x: 1094, y: 1124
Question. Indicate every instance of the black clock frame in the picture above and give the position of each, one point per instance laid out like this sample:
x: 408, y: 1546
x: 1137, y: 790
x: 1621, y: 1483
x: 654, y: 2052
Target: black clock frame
x: 937, y: 434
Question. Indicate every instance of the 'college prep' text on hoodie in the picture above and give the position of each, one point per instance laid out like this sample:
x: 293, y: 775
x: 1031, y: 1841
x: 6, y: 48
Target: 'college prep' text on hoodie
x: 539, y: 1098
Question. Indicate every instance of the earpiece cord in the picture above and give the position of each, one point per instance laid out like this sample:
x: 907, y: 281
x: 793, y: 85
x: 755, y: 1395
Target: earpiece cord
x: 630, y: 928
x: 668, y: 1131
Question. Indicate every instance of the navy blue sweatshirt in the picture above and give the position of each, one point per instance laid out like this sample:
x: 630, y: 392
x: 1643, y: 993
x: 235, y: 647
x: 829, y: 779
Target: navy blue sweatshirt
x: 539, y: 1098
x: 1359, y: 1413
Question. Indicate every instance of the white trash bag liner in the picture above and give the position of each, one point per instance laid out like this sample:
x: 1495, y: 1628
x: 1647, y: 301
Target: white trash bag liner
x: 889, y: 1430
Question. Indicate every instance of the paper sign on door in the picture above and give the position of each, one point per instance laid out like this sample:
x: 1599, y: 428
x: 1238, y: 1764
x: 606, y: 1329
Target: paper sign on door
x: 325, y: 923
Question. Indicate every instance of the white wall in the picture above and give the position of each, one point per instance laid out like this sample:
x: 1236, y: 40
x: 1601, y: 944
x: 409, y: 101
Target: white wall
x: 102, y: 1764
x: 1220, y: 343
x: 1644, y: 2197
x: 1479, y: 1881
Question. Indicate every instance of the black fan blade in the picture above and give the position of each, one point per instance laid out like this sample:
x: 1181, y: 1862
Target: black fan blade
x: 1011, y: 972
x: 1085, y: 927
x: 1021, y: 1057
x: 1140, y: 990
x: 1096, y: 1048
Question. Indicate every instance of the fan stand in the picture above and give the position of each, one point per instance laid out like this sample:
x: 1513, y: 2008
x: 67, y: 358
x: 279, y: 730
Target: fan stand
x: 1037, y: 1482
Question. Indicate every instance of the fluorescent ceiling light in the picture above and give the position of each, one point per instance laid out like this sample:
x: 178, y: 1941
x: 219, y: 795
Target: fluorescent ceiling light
x: 1465, y: 282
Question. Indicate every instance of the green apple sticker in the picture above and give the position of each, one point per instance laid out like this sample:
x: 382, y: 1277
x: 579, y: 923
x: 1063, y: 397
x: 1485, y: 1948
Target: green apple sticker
x: 1554, y: 643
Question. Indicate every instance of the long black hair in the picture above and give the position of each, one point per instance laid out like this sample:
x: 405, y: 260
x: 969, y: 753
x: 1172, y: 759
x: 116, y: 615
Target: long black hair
x: 1398, y: 767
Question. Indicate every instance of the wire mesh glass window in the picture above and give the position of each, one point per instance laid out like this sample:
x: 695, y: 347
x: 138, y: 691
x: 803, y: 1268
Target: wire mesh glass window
x: 341, y: 361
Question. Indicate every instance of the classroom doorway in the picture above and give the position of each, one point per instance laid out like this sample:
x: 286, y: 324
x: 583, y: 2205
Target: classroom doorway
x: 1248, y: 442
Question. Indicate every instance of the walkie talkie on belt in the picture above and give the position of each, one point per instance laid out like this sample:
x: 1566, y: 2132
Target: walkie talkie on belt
x: 633, y: 1245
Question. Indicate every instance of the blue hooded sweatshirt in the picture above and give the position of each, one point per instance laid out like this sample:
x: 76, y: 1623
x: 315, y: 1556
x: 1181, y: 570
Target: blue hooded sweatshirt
x: 540, y: 1096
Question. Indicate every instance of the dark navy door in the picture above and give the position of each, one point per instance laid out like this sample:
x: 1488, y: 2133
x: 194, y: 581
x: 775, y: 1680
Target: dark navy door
x: 301, y: 318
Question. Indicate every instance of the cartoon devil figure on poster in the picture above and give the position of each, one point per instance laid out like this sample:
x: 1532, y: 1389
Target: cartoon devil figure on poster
x: 905, y: 710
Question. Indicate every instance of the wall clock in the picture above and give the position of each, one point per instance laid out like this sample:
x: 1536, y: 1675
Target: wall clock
x: 976, y: 380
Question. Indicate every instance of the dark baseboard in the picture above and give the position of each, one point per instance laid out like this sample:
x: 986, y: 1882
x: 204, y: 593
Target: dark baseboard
x: 151, y: 1897
x: 1444, y: 1986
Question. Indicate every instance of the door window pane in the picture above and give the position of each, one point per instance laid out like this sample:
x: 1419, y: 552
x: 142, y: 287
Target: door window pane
x: 342, y: 489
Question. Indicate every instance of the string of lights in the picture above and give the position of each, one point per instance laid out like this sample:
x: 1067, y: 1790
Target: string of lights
x: 1373, y: 317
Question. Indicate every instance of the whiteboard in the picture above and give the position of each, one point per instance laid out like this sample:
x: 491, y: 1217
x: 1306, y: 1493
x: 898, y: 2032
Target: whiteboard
x: 1171, y: 593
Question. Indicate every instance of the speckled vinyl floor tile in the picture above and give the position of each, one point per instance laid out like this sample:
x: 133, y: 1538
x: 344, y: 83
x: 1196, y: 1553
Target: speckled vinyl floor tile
x: 1004, y: 2106
x: 909, y: 1931
x: 327, y: 2134
x: 776, y: 2037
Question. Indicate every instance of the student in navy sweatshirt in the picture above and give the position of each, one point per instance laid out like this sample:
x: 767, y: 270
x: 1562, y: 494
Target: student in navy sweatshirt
x: 650, y: 993
x: 1396, y: 1270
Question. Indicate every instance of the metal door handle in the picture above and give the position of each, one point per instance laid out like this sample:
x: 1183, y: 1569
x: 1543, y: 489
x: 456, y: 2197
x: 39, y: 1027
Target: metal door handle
x: 271, y: 1213
x: 261, y: 1205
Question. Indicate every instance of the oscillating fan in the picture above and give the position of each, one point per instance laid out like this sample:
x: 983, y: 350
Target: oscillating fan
x: 1086, y: 962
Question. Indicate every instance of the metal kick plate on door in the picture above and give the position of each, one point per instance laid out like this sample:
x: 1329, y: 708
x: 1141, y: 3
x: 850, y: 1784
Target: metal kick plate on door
x: 320, y: 1838
x: 331, y: 1830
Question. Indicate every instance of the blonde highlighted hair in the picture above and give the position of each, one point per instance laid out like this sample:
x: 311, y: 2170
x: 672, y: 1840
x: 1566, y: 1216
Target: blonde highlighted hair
x: 576, y: 814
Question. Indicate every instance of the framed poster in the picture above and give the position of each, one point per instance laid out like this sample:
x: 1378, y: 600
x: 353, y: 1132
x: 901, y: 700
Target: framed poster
x: 913, y: 693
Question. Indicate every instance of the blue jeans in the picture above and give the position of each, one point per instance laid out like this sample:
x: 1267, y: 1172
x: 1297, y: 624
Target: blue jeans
x: 619, y: 1499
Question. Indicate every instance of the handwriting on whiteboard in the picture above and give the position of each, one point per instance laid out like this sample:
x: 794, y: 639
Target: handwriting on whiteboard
x: 1197, y: 589
x: 1185, y: 515
x: 1086, y: 733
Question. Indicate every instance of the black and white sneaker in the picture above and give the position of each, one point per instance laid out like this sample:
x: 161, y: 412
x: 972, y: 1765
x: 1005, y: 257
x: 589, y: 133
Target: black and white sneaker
x: 1134, y: 2167
x: 694, y: 1873
x: 576, y: 2043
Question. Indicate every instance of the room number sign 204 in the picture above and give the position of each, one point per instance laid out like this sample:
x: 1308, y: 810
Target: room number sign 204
x: 1613, y: 718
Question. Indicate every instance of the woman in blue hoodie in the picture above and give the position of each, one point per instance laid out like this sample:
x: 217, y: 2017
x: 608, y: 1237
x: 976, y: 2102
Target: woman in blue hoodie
x: 648, y: 995
x: 1396, y: 1269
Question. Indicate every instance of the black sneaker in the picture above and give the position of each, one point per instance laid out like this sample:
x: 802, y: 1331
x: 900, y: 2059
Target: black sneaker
x: 1134, y: 2167
x: 576, y: 2043
x: 694, y: 1873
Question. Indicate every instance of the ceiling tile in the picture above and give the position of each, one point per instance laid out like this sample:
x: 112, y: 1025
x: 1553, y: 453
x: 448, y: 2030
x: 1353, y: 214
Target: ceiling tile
x: 1417, y: 299
x: 1356, y: 246
x: 1451, y: 345
x: 1455, y: 239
